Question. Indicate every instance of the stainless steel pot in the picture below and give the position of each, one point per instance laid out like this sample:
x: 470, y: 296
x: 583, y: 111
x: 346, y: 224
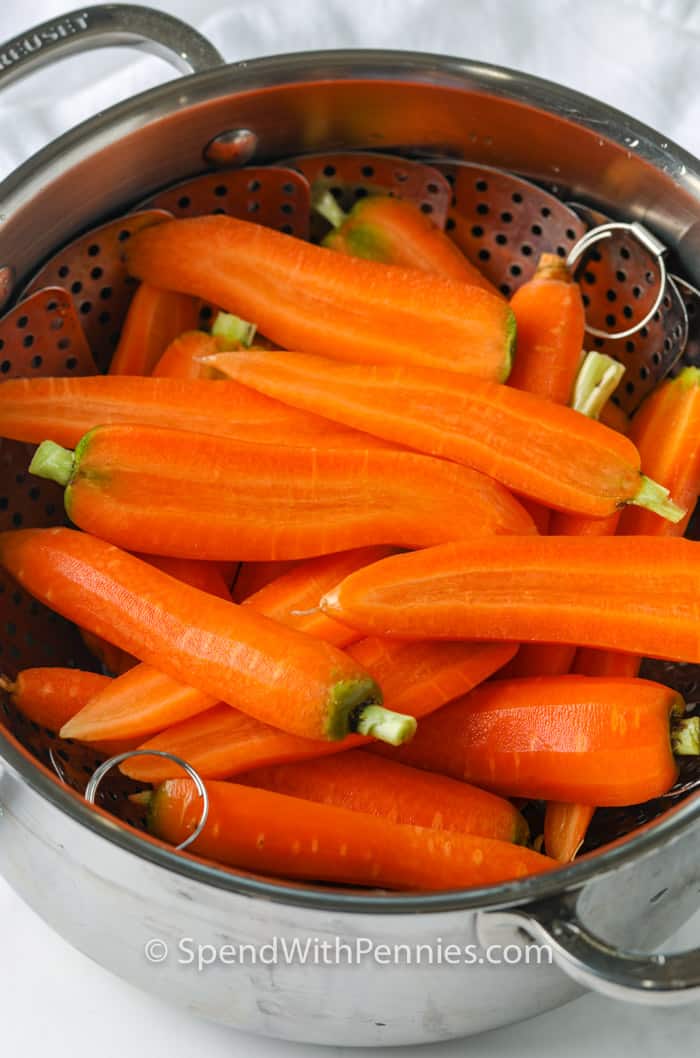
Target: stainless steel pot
x: 108, y: 890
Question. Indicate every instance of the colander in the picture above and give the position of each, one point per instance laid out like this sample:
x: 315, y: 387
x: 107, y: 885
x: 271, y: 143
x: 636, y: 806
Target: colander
x: 250, y: 138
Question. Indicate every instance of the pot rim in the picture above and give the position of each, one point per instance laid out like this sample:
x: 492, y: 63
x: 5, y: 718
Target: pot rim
x: 315, y: 68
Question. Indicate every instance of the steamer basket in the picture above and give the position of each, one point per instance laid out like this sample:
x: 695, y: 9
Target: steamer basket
x: 66, y: 213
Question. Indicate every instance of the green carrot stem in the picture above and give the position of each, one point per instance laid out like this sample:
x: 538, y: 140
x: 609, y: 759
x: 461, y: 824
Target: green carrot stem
x: 685, y: 736
x: 385, y: 725
x: 656, y: 498
x: 324, y: 203
x: 233, y: 331
x: 53, y: 462
x: 598, y: 377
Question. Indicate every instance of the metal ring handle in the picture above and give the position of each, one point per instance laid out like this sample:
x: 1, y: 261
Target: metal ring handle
x: 107, y: 25
x: 664, y: 980
x: 648, y: 241
x: 99, y: 774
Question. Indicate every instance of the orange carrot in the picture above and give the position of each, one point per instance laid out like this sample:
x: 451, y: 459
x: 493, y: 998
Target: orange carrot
x: 592, y: 662
x: 180, y: 359
x: 275, y: 673
x: 307, y: 297
x: 539, y: 449
x: 114, y: 660
x: 32, y: 409
x: 635, y: 595
x: 395, y: 231
x: 51, y: 696
x: 561, y: 738
x: 551, y: 326
x: 207, y: 576
x: 196, y: 496
x: 223, y: 742
x: 252, y: 576
x: 270, y: 833
x: 366, y: 783
x: 149, y: 701
x: 565, y: 827
x: 154, y: 319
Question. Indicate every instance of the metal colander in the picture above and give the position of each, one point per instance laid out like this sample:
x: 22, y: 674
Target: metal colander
x: 69, y: 317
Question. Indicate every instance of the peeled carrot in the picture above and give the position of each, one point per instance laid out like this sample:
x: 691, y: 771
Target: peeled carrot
x: 542, y: 450
x: 223, y: 741
x: 180, y: 358
x: 272, y: 672
x: 636, y: 595
x: 252, y: 576
x: 366, y: 783
x: 149, y: 701
x: 293, y: 597
x: 666, y: 431
x: 592, y: 662
x: 395, y: 231
x: 307, y: 297
x: 154, y: 319
x: 51, y: 696
x: 562, y: 738
x: 207, y: 576
x: 114, y: 660
x: 270, y: 833
x: 551, y: 326
x: 565, y: 827
x: 32, y: 409
x: 196, y: 496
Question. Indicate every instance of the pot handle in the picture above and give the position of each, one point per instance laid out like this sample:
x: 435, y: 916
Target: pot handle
x: 107, y: 25
x: 663, y: 980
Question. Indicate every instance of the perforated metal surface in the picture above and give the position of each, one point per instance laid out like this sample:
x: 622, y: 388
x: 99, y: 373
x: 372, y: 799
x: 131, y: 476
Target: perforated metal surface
x: 92, y: 272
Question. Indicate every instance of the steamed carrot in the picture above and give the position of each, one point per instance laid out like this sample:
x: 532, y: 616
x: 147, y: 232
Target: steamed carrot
x: 51, y: 696
x: 223, y: 742
x: 563, y: 738
x: 551, y: 328
x: 195, y: 496
x: 180, y: 359
x: 32, y: 409
x: 252, y: 576
x: 539, y: 449
x: 154, y: 319
x: 310, y: 298
x: 116, y: 661
x: 636, y: 595
x: 148, y: 701
x: 592, y: 662
x: 565, y: 827
x: 378, y: 787
x: 207, y: 576
x: 270, y: 833
x: 395, y: 231
x: 293, y: 598
x: 272, y: 672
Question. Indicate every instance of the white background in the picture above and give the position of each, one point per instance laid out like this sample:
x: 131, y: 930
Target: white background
x: 640, y: 55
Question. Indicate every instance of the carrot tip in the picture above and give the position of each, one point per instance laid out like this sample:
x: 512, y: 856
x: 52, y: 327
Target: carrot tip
x: 685, y: 737
x: 385, y: 725
x: 598, y: 378
x: 232, y: 331
x: 657, y: 499
x: 347, y: 702
x: 53, y: 462
x: 144, y: 797
x: 324, y: 203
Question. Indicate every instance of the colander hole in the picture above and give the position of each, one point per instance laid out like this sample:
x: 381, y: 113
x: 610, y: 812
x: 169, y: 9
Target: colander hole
x: 329, y: 170
x: 629, y: 346
x: 367, y: 171
x: 85, y: 308
x: 450, y: 177
x: 93, y: 250
x: 666, y: 302
x: 287, y: 229
x: 506, y: 217
x: 450, y: 224
x: 644, y: 373
x: 561, y: 251
x: 611, y: 319
x: 501, y: 240
x: 71, y: 363
x: 220, y: 190
x: 401, y: 176
x: 677, y: 331
x: 287, y: 207
x: 570, y: 234
x: 586, y: 300
x: 253, y: 206
x: 50, y: 510
x: 63, y: 271
x: 432, y: 189
x: 104, y: 317
x: 596, y: 256
x: 477, y: 231
x: 125, y: 233
x: 56, y: 324
x: 656, y: 317
x: 4, y: 504
x: 51, y: 306
x: 516, y: 197
x: 599, y: 342
x: 624, y: 253
x: 505, y: 290
x: 37, y: 361
x: 627, y: 312
x: 63, y: 344
x: 453, y: 201
x: 611, y: 295
x: 621, y: 275
x: 515, y: 270
x: 2, y: 344
x: 589, y: 277
x: 649, y: 276
x: 5, y: 366
x: 482, y: 209
x: 76, y: 287
x: 289, y: 189
x: 22, y: 322
x: 17, y: 519
x: 656, y: 359
x: 546, y: 211
x: 255, y: 185
x: 28, y: 341
x: 536, y: 229
x: 20, y: 478
x: 426, y: 207
x: 667, y: 345
x: 16, y: 597
x: 96, y: 273
x: 184, y: 202
x: 644, y: 332
x: 481, y: 185
x: 526, y: 250
x: 106, y: 293
x: 484, y: 255
x: 361, y: 192
x: 34, y: 493
x: 629, y: 387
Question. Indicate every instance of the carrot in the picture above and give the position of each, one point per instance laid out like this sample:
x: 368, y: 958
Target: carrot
x: 666, y: 431
x: 154, y: 319
x: 395, y: 231
x: 51, y: 696
x: 149, y: 701
x: 562, y: 738
x: 542, y: 450
x: 180, y: 358
x: 66, y: 408
x: 270, y: 833
x: 275, y: 673
x: 294, y: 596
x: 112, y: 658
x: 223, y: 741
x: 307, y: 297
x: 377, y: 787
x: 565, y: 827
x: 551, y: 326
x: 207, y: 576
x: 195, y: 496
x: 252, y: 576
x: 635, y: 595
x: 592, y: 662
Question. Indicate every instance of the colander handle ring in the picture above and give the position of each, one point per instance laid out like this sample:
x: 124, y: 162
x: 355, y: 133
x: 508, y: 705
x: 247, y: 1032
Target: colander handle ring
x: 106, y: 26
x: 99, y: 774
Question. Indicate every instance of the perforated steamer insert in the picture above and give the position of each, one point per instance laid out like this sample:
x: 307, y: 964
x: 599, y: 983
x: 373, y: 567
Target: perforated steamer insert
x: 70, y: 315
